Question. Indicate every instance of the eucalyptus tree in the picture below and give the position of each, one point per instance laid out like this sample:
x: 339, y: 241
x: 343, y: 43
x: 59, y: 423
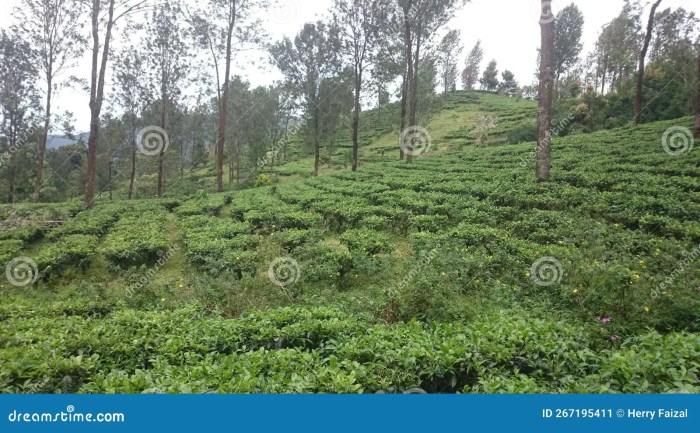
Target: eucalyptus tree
x: 130, y: 90
x: 568, y: 27
x: 225, y: 27
x: 18, y: 100
x: 305, y: 63
x: 546, y: 94
x: 470, y: 75
x: 357, y: 26
x: 104, y: 16
x: 49, y: 26
x: 421, y: 21
x: 166, y: 60
x: 448, y: 52
x: 642, y: 58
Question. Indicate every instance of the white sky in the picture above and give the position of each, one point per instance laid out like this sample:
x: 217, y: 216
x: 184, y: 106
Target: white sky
x: 508, y: 29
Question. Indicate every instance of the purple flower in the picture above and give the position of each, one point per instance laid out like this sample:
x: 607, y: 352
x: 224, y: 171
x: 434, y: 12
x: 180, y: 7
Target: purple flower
x: 605, y: 319
x: 614, y: 338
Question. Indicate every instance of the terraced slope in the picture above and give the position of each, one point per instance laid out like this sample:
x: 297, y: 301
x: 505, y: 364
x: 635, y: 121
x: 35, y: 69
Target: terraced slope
x: 521, y: 286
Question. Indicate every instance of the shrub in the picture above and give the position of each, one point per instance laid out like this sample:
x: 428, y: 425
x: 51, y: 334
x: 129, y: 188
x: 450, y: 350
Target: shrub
x: 137, y: 239
x: 70, y: 251
x: 366, y: 241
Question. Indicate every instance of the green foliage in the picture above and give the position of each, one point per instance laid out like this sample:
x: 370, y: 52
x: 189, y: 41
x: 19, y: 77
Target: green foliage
x: 367, y: 241
x: 9, y: 249
x: 137, y: 239
x: 95, y: 350
x: 263, y: 180
x: 524, y: 132
x: 70, y: 251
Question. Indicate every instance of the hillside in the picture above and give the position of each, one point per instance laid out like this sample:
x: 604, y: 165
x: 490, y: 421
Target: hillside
x: 456, y: 273
x: 451, y: 121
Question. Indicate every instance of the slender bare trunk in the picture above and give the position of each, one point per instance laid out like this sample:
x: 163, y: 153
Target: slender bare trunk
x: 132, y: 177
x: 317, y: 144
x: 408, y: 42
x: 41, y: 152
x: 97, y: 84
x: 356, y: 118
x: 161, y: 154
x: 544, y: 144
x: 697, y: 108
x: 404, y: 96
x: 605, y: 73
x: 642, y: 57
x: 223, y: 109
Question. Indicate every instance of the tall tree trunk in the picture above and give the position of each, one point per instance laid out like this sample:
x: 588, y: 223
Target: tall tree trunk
x: 317, y: 144
x: 413, y: 100
x: 408, y: 44
x: 109, y: 175
x: 605, y: 73
x: 223, y: 109
x: 356, y: 117
x: 44, y: 138
x: 97, y: 84
x: 404, y: 97
x: 379, y: 104
x: 132, y: 177
x: 697, y: 108
x: 546, y: 97
x: 238, y: 164
x: 161, y: 154
x: 642, y: 58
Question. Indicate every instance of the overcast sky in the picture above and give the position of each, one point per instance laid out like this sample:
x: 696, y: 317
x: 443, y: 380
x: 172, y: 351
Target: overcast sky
x: 509, y: 31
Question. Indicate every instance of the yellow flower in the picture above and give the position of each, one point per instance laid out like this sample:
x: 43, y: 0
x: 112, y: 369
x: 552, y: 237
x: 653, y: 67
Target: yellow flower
x: 642, y: 264
x: 647, y: 309
x: 575, y: 291
x: 443, y: 274
x: 181, y: 286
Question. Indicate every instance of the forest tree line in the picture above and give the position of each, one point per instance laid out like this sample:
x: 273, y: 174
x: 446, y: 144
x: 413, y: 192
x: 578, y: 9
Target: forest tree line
x: 173, y: 65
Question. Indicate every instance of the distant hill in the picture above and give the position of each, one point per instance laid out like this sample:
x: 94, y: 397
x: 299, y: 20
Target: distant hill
x: 56, y: 141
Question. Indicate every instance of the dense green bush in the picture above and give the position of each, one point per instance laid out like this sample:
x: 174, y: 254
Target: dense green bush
x: 324, y: 350
x: 70, y: 251
x: 10, y: 249
x: 366, y: 241
x: 137, y: 239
